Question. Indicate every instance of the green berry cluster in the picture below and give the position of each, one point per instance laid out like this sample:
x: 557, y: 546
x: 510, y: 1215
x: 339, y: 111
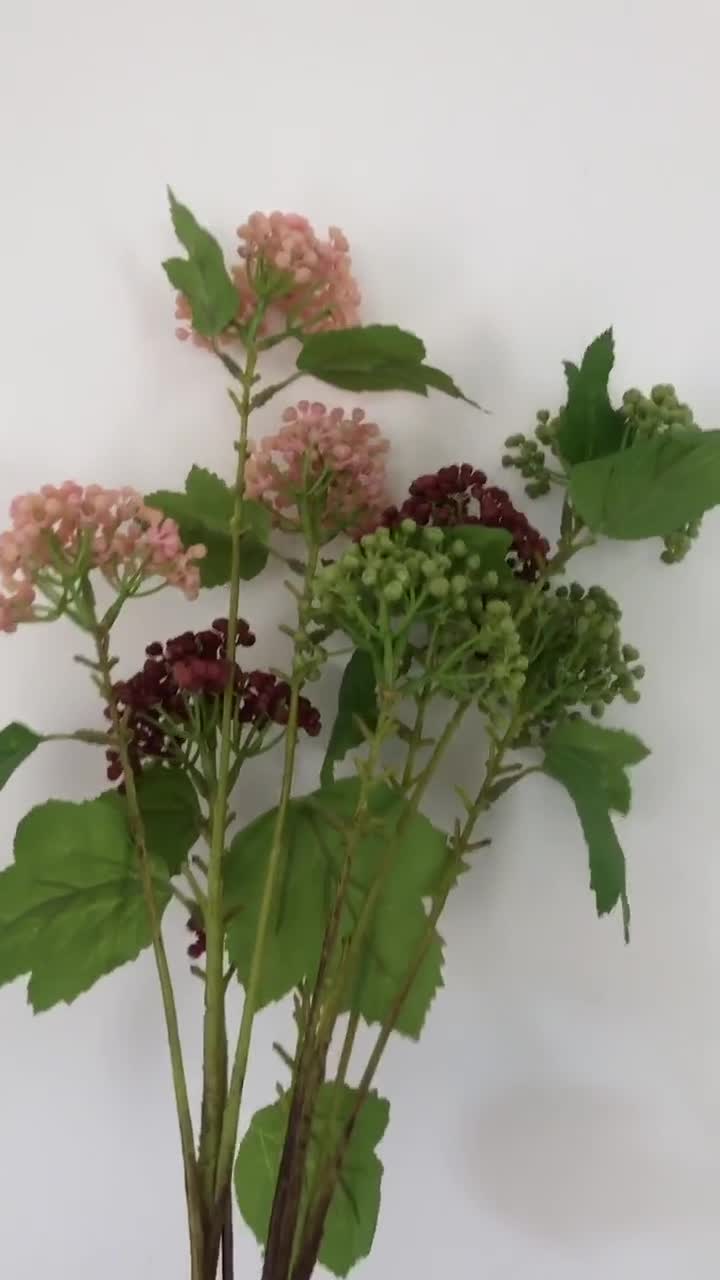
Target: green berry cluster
x: 577, y: 657
x: 430, y: 611
x: 662, y: 413
x: 528, y: 454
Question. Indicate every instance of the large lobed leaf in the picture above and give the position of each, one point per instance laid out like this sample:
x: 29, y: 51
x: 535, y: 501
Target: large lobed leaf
x: 650, y: 489
x: 354, y: 1209
x: 71, y: 905
x: 204, y: 514
x: 304, y: 892
x: 589, y: 425
x: 375, y: 357
x: 590, y: 762
x: 202, y: 277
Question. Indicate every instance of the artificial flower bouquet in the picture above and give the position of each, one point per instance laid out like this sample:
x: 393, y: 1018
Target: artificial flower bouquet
x: 445, y: 606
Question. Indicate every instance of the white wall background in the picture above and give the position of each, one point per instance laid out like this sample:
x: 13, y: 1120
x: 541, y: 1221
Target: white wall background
x: 514, y: 176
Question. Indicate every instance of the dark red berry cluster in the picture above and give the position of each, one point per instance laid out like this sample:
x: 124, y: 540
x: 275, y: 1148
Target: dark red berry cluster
x: 198, y: 947
x: 461, y: 495
x: 191, y: 665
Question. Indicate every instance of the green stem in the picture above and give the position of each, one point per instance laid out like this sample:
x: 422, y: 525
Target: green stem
x: 135, y: 821
x: 330, y: 1168
x: 228, y: 1134
x: 214, y: 1035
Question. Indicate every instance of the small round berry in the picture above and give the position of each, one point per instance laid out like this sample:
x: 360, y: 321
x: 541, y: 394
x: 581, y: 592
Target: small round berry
x: 393, y: 591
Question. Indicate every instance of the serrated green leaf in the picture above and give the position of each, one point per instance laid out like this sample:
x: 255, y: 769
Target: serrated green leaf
x: 361, y: 348
x: 171, y: 814
x: 312, y: 864
x: 17, y: 742
x: 202, y: 277
x: 590, y: 762
x: 354, y: 1209
x: 651, y: 489
x: 71, y: 905
x: 204, y: 513
x: 299, y: 909
x: 357, y: 705
x: 440, y: 381
x: 589, y: 426
x: 614, y: 746
x: 376, y: 357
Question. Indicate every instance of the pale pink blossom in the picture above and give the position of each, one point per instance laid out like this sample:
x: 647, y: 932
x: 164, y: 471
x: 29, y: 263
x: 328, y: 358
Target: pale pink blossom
x: 341, y: 457
x: 325, y: 294
x: 65, y: 531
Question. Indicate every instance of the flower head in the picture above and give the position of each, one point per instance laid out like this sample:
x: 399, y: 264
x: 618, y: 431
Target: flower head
x: 319, y: 290
x: 339, y: 458
x: 461, y: 495
x: 63, y: 532
x: 189, y: 670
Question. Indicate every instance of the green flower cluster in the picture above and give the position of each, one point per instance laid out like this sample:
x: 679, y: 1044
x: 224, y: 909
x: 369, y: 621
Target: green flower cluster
x: 662, y: 413
x: 576, y: 656
x: 528, y: 454
x: 431, y: 612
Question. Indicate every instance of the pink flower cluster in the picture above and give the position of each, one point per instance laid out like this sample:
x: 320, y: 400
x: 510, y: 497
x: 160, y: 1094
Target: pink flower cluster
x: 325, y: 293
x: 313, y: 442
x: 67, y: 529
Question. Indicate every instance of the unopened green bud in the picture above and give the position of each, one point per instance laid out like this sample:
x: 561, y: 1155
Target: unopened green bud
x: 497, y: 608
x: 543, y: 416
x: 630, y: 653
x: 369, y: 578
x: 439, y: 588
x: 402, y: 575
x: 489, y: 581
x: 433, y: 536
x: 576, y: 591
x: 459, y: 549
x: 460, y: 604
x: 408, y: 526
x: 459, y: 584
x: 474, y: 562
x: 631, y: 695
x: 597, y: 709
x: 638, y: 672
x: 393, y: 591
x: 515, y: 441
x: 507, y: 460
x: 368, y: 540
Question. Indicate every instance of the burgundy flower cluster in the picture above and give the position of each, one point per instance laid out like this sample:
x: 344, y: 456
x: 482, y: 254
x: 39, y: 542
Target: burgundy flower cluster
x: 194, y: 664
x: 461, y: 495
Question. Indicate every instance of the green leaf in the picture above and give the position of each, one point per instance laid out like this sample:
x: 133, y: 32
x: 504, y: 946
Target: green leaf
x: 492, y: 545
x: 304, y: 892
x: 376, y: 357
x: 440, y: 381
x: 361, y: 349
x: 171, y: 814
x: 71, y: 905
x: 299, y: 910
x: 353, y: 1214
x: 651, y: 489
x: 590, y: 762
x: 202, y: 277
x: 204, y: 514
x: 357, y: 704
x: 17, y: 742
x: 589, y: 426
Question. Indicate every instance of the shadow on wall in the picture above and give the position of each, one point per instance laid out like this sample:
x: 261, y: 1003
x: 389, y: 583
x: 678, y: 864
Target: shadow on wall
x: 577, y: 1164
